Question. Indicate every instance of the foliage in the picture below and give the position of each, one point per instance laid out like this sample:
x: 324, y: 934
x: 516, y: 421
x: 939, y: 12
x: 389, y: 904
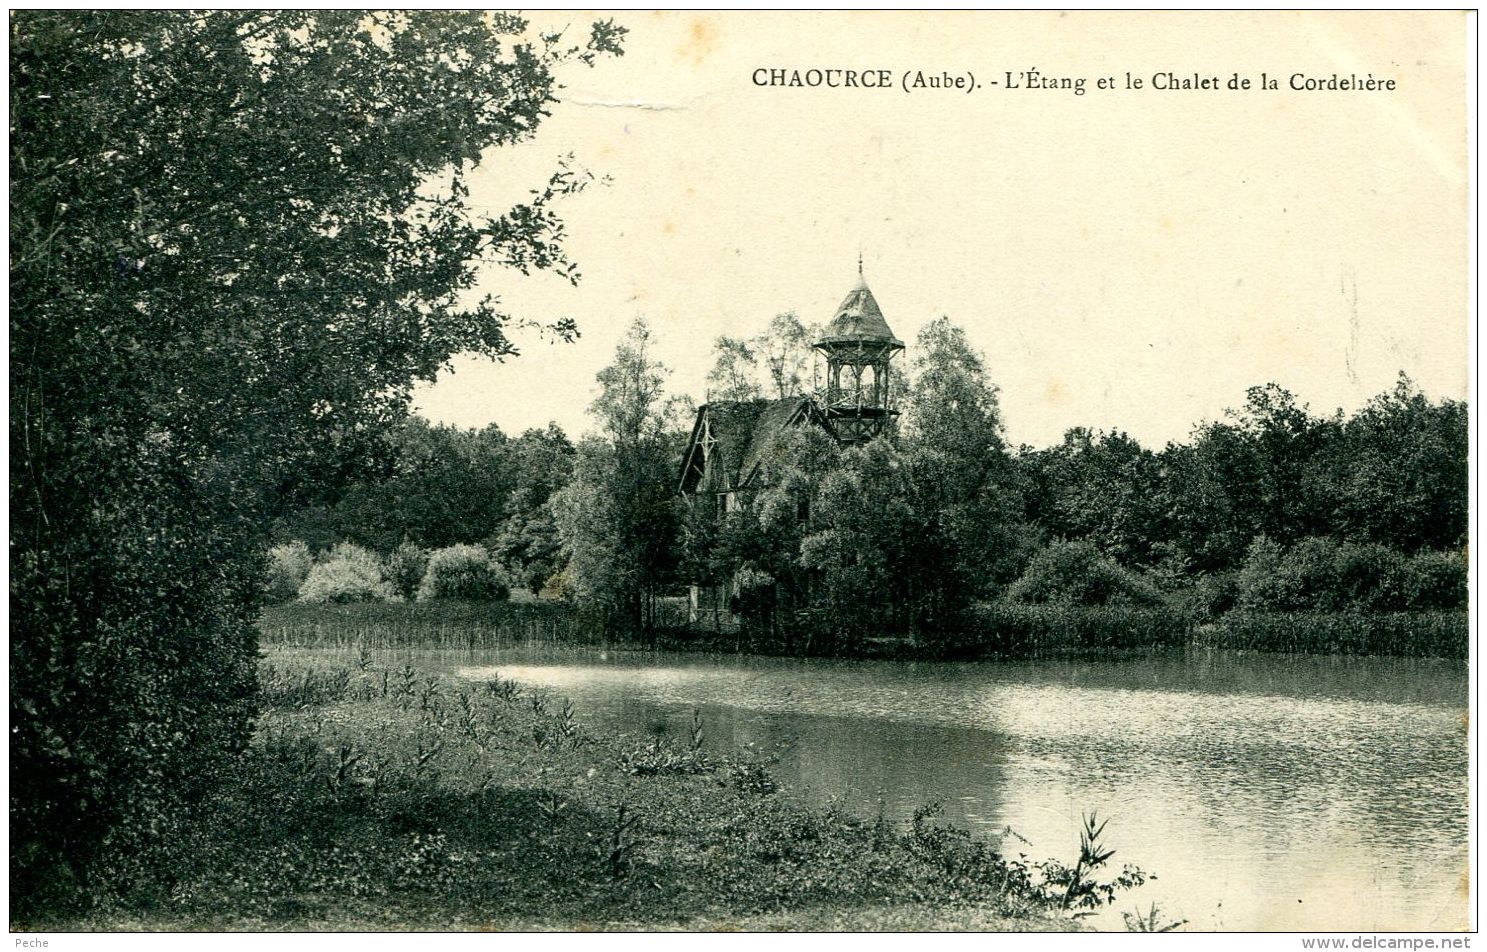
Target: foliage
x: 348, y: 573
x: 463, y: 571
x: 616, y: 517
x: 405, y: 567
x: 1210, y: 595
x: 1102, y: 488
x: 1398, y: 471
x: 237, y: 238
x: 967, y: 501
x: 657, y: 757
x: 1075, y: 573
x: 1324, y: 574
x: 732, y: 376
x: 288, y: 567
x: 428, y: 624
x: 784, y: 350
x: 775, y: 363
x: 441, y: 485
x: 1392, y: 474
x: 854, y: 547
x: 1151, y: 920
x: 1047, y: 885
x: 528, y: 545
x: 1438, y: 581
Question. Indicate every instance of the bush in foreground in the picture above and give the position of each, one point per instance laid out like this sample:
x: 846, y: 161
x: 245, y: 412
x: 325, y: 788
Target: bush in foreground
x: 463, y: 571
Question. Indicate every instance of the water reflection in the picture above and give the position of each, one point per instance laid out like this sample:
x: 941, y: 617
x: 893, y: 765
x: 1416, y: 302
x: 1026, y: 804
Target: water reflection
x: 1266, y: 792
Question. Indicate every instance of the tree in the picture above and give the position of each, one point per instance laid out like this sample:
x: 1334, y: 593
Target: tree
x: 616, y: 517
x: 785, y: 351
x: 775, y: 363
x: 442, y: 486
x: 1247, y: 476
x: 527, y: 543
x: 732, y: 376
x: 1397, y: 473
x: 1104, y: 488
x: 237, y: 239
x: 964, y: 490
x: 758, y: 545
x: 858, y: 543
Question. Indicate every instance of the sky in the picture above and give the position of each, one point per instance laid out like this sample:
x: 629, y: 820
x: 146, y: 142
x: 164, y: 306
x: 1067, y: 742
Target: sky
x: 1124, y: 259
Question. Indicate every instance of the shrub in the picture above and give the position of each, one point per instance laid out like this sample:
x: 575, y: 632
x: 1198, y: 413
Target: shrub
x: 1370, y: 577
x: 1210, y: 596
x: 559, y: 585
x: 463, y: 571
x: 404, y: 569
x: 288, y: 567
x: 1076, y: 573
x: 1324, y: 575
x: 1437, y: 581
x: 348, y: 573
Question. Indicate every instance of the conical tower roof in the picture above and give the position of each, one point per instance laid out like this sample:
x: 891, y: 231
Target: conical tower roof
x: 858, y: 318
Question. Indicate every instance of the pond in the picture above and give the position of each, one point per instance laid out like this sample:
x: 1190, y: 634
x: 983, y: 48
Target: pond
x: 1266, y: 792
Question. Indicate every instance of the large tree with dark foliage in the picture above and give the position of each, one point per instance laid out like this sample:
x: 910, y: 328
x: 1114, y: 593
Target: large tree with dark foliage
x: 237, y: 238
x: 1104, y: 488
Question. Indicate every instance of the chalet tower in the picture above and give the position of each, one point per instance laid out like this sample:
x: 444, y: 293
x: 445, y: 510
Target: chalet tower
x: 727, y: 459
x: 858, y: 345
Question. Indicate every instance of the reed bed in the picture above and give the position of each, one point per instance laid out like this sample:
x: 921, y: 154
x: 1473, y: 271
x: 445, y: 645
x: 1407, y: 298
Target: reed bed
x: 440, y: 624
x: 1443, y: 634
x: 1012, y: 630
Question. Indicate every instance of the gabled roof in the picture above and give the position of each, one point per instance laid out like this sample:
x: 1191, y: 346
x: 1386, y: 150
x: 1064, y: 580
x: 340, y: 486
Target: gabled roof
x: 744, y: 432
x: 768, y: 430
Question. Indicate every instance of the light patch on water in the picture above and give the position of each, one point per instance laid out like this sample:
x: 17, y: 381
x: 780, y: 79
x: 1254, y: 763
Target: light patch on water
x: 1265, y: 792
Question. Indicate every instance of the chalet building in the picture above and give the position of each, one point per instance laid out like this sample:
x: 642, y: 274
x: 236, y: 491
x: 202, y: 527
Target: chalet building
x: 723, y: 464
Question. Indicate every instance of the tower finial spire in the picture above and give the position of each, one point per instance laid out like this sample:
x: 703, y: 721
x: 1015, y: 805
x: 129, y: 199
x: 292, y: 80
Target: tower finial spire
x: 859, y: 262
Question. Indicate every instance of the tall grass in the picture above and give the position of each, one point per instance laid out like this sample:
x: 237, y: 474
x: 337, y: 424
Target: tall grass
x: 995, y: 630
x: 1013, y: 630
x: 428, y: 624
x: 377, y: 796
x: 1411, y: 634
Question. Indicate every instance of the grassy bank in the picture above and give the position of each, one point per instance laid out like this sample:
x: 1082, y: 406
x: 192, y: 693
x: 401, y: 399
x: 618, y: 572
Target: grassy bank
x: 376, y: 797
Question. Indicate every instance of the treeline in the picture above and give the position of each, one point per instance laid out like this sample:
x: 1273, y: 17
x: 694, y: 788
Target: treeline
x: 1393, y: 474
x: 440, y: 486
x: 1271, y: 509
